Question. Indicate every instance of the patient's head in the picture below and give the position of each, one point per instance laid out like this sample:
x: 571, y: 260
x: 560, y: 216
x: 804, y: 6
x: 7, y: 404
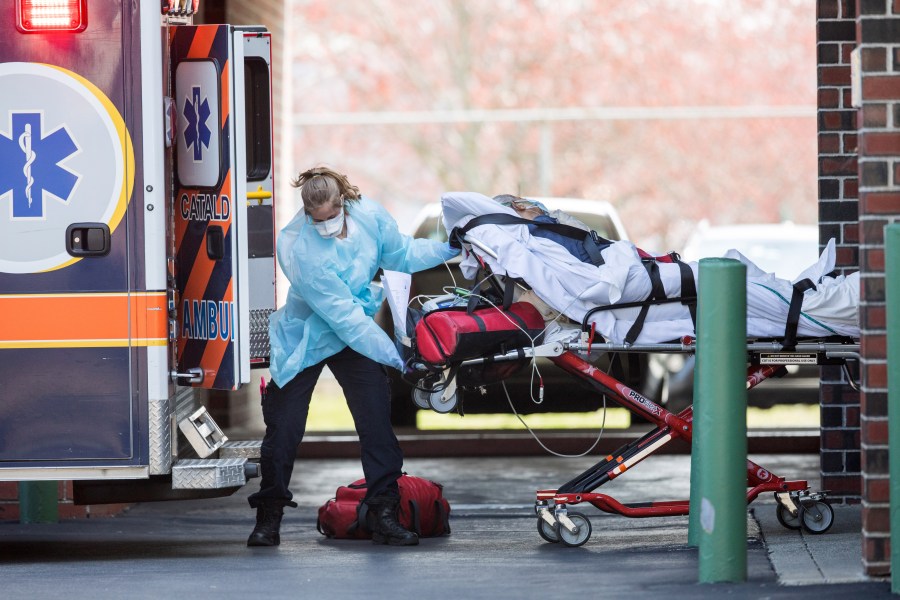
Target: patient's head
x: 527, y: 209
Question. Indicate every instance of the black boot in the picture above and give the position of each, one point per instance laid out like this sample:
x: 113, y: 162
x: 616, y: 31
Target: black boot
x: 381, y: 520
x: 268, y: 524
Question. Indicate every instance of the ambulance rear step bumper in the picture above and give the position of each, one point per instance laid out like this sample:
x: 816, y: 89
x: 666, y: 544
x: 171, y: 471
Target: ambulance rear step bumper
x: 212, y: 473
x: 249, y: 449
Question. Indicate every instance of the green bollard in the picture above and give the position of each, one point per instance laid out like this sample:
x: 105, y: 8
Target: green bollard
x: 892, y: 300
x: 696, y: 469
x: 722, y: 420
x: 38, y: 502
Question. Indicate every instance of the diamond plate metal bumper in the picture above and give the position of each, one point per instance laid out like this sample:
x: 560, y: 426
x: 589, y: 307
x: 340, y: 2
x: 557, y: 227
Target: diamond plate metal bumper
x: 246, y: 449
x: 259, y: 332
x: 209, y: 473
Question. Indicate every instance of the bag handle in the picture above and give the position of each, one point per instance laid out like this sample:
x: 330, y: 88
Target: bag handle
x: 415, y: 515
x: 361, y: 510
x: 443, y: 515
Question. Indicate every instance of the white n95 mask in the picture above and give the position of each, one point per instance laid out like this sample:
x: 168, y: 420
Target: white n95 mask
x: 332, y: 227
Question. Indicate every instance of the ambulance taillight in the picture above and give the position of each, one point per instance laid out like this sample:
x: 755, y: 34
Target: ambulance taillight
x: 40, y: 16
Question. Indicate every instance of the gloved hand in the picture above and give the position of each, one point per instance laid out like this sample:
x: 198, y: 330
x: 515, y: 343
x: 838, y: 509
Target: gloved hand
x: 455, y: 239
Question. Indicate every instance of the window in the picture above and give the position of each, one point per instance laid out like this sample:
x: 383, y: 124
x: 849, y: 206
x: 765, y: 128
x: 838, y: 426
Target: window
x: 259, y: 120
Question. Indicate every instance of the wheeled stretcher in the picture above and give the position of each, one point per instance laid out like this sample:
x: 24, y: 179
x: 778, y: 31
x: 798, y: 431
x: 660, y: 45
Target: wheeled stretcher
x: 797, y: 505
x: 631, y: 300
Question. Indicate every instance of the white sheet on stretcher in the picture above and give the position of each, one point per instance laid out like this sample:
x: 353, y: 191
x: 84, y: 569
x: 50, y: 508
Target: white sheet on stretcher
x: 573, y: 287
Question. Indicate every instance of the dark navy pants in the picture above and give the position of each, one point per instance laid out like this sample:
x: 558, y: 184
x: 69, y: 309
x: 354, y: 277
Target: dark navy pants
x: 366, y: 388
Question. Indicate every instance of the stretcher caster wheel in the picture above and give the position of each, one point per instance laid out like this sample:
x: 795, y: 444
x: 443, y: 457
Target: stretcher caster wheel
x: 420, y: 398
x: 441, y: 405
x: 787, y: 520
x: 547, y: 531
x: 817, y: 517
x: 424, y: 395
x: 578, y: 538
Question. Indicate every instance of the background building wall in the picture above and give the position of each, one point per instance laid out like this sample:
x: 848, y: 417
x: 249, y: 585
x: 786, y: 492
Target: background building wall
x: 878, y: 99
x: 838, y: 218
x: 859, y: 194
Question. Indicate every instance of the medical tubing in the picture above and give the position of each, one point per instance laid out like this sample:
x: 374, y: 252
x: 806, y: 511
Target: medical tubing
x: 450, y: 271
x: 534, y: 368
x: 531, y: 387
x: 561, y: 312
x: 544, y: 446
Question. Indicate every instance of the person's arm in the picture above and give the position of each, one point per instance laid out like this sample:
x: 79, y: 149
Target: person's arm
x: 403, y: 253
x: 331, y: 299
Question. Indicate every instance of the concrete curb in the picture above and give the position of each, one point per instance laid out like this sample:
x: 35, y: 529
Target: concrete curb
x: 800, y: 558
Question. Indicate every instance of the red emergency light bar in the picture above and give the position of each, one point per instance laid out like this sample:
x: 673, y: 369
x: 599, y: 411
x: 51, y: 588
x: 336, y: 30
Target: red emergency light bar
x: 37, y: 16
x: 180, y: 7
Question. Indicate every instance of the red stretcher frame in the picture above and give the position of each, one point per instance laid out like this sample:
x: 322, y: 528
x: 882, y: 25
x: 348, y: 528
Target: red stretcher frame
x: 669, y: 426
x: 551, y: 504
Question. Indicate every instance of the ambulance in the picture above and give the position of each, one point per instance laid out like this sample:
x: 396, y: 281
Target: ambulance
x: 136, y: 244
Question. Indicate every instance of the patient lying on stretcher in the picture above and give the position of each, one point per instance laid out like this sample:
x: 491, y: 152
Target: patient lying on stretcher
x: 570, y: 278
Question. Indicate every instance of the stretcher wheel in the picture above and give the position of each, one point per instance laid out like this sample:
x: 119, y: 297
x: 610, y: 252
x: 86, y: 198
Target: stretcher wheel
x: 420, y: 398
x: 547, y: 531
x: 787, y: 520
x: 816, y: 518
x: 578, y: 538
x: 441, y: 406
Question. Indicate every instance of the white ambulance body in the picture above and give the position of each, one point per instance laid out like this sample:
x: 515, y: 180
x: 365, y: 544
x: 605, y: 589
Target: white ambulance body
x: 136, y: 243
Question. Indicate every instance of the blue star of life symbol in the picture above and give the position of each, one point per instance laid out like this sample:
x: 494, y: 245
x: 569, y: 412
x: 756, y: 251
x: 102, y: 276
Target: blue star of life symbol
x: 196, y: 134
x: 31, y: 165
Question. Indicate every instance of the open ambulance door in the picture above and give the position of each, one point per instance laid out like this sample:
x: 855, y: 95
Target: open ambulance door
x: 223, y: 207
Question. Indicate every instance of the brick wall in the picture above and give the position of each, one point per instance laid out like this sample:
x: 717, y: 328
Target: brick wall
x: 838, y: 219
x: 859, y: 193
x: 878, y: 34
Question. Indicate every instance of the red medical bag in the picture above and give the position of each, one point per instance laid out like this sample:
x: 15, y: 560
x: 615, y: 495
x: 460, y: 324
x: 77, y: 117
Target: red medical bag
x: 423, y: 509
x: 454, y: 334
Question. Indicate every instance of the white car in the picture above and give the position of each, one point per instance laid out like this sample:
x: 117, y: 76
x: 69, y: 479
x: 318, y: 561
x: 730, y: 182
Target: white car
x: 563, y: 393
x: 599, y: 215
x: 785, y: 249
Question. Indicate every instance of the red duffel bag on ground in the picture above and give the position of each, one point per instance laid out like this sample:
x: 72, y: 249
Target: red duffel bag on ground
x: 423, y: 509
x: 453, y: 334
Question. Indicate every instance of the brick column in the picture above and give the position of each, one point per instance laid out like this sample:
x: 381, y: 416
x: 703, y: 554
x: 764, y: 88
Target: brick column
x: 838, y: 219
x: 878, y: 32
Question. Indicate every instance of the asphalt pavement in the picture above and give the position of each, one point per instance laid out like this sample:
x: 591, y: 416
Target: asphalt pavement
x: 197, y: 548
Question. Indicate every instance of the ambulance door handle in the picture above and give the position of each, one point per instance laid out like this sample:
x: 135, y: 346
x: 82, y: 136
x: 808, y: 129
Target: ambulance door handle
x: 87, y: 239
x: 215, y: 242
x: 193, y: 375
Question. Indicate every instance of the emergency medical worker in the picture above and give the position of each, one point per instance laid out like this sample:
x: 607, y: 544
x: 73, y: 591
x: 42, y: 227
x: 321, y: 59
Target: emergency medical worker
x: 330, y: 253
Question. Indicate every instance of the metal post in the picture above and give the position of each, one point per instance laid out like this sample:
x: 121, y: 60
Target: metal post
x: 696, y: 468
x: 38, y: 502
x: 722, y: 420
x: 892, y: 300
